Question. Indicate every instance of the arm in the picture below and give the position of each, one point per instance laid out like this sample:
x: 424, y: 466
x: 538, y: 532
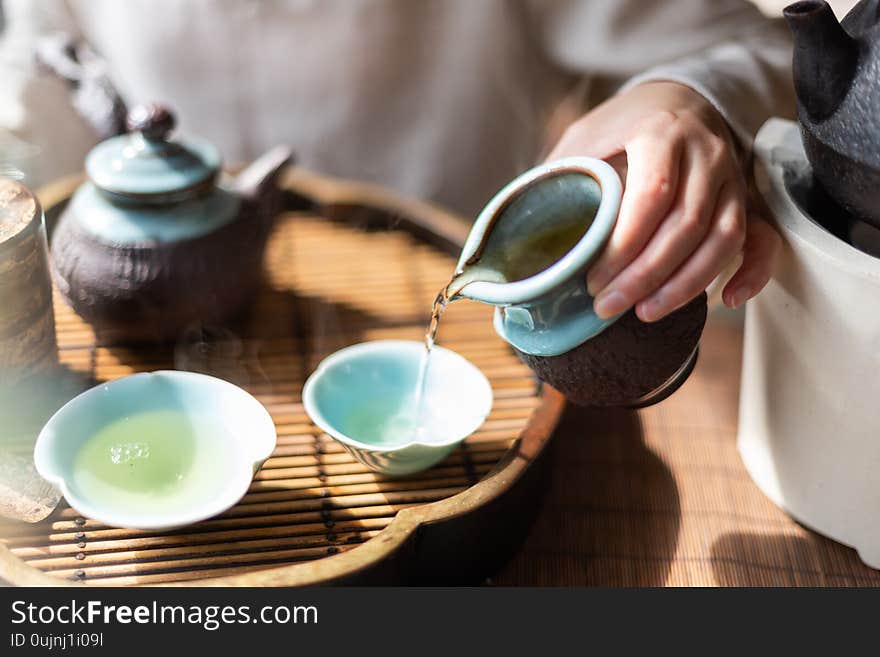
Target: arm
x: 677, y: 133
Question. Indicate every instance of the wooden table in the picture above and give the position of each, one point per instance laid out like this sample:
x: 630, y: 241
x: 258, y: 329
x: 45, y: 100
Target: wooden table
x: 660, y: 497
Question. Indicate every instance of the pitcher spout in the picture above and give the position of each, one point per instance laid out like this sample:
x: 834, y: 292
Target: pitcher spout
x: 539, y: 232
x: 529, y: 250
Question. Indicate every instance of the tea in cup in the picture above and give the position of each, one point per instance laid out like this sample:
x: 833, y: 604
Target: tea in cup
x: 370, y: 399
x: 155, y: 450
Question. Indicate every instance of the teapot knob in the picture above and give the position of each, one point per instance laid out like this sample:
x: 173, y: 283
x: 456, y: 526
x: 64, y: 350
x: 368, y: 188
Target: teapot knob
x: 153, y: 121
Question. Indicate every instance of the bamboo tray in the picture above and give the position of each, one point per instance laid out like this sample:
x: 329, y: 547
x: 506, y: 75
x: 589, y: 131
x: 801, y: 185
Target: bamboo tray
x: 314, y: 515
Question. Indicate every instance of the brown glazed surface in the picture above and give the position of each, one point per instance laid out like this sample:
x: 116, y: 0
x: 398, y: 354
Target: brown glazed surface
x: 627, y: 360
x: 154, y: 292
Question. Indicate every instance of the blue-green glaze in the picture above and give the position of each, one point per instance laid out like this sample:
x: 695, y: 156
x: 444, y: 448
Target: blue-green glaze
x: 550, y: 312
x: 116, y: 223
x: 133, y: 165
x: 152, y: 190
x: 372, y: 373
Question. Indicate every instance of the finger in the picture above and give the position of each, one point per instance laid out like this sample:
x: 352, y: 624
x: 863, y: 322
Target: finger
x: 721, y: 246
x: 760, y: 253
x: 589, y: 137
x: 677, y: 238
x: 575, y: 142
x: 653, y: 163
x: 619, y: 163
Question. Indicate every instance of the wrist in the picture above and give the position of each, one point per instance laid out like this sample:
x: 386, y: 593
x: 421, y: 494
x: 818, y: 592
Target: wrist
x: 680, y: 97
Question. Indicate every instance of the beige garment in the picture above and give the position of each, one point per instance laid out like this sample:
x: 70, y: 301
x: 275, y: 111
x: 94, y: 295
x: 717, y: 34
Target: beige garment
x: 441, y: 99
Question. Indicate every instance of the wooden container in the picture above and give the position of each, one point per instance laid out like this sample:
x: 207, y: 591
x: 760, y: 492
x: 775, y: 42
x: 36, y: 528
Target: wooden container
x: 353, y: 263
x: 27, y: 325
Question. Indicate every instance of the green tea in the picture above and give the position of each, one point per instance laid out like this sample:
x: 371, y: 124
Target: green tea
x: 534, y: 254
x: 389, y: 421
x: 521, y: 258
x: 154, y: 461
x: 382, y: 422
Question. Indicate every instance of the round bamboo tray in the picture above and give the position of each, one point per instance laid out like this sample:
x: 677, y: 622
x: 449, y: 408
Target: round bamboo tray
x: 347, y: 262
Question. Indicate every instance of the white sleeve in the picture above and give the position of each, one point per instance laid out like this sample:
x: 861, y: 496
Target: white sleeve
x: 748, y: 79
x: 40, y: 132
x: 727, y: 50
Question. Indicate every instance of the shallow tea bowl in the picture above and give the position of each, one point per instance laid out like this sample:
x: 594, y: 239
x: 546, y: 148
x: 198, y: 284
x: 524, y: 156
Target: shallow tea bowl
x: 219, y: 438
x: 358, y: 394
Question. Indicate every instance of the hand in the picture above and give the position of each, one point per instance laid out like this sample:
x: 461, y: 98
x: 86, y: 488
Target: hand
x: 684, y: 215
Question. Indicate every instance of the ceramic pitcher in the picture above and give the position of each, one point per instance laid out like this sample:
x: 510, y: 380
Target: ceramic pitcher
x: 528, y: 255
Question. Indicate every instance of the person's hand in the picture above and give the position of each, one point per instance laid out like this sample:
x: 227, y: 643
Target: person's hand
x: 684, y: 216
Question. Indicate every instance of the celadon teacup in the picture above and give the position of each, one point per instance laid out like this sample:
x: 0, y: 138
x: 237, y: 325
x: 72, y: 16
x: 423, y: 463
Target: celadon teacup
x: 364, y: 396
x: 218, y: 438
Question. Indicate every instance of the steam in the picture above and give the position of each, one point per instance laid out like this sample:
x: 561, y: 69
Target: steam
x: 216, y: 351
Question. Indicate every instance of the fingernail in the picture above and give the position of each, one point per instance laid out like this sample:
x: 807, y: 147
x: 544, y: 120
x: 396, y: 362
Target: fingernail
x: 609, y: 303
x: 740, y: 296
x: 593, y: 286
x: 648, y: 310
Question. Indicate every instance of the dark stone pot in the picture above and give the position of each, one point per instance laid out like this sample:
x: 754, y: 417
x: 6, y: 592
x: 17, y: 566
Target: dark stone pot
x: 837, y: 79
x: 152, y: 293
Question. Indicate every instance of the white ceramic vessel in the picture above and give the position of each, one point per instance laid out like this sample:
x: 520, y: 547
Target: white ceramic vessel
x: 809, y: 423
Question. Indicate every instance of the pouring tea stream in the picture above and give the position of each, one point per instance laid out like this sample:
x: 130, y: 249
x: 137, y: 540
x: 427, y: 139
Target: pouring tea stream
x: 400, y: 407
x: 528, y: 253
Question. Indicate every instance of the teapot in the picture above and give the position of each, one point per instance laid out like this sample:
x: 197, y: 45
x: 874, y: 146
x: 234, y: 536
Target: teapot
x: 528, y: 254
x: 837, y: 80
x: 154, y: 241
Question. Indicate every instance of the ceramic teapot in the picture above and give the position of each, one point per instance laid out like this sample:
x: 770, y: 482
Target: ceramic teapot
x: 154, y: 241
x: 837, y: 80
x: 528, y: 254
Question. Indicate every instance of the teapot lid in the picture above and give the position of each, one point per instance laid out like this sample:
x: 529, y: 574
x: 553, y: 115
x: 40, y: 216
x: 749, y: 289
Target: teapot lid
x: 145, y: 164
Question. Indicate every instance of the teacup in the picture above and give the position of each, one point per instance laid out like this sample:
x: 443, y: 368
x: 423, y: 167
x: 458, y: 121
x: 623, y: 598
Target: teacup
x: 365, y: 397
x: 156, y: 450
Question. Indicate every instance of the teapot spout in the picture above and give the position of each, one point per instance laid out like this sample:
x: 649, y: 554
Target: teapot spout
x: 824, y: 60
x: 260, y: 179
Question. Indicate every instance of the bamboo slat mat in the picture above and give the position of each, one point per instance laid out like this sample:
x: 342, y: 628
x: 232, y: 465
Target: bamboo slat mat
x: 328, y: 286
x: 660, y: 498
